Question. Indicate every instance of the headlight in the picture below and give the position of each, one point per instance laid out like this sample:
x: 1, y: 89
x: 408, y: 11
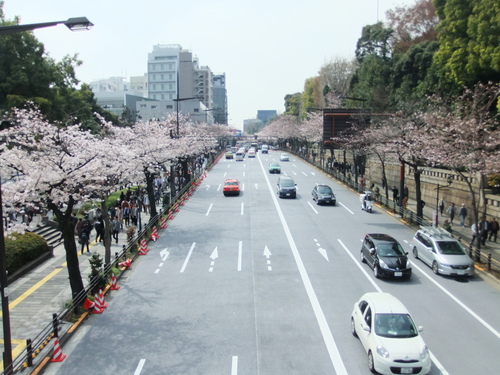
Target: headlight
x: 382, y: 264
x: 383, y: 352
x: 408, y: 264
x: 424, y: 353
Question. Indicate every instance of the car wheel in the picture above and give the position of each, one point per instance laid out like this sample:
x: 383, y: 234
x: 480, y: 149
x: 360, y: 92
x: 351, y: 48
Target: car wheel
x: 415, y: 252
x: 371, y: 364
x: 317, y: 202
x: 435, y: 268
x: 375, y: 271
x: 333, y: 204
x: 362, y: 257
x: 353, y: 328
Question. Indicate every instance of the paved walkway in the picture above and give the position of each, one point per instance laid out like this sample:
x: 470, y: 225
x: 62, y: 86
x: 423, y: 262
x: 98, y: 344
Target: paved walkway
x: 45, y: 291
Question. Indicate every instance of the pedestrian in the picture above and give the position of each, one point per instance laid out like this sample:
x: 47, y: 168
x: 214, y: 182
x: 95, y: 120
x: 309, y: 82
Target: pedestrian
x: 406, y: 193
x: 441, y: 206
x: 85, y: 236
x: 99, y: 229
x: 395, y: 193
x: 145, y: 203
x: 126, y: 216
x: 116, y: 226
x: 79, y: 227
x: 493, y: 229
x: 474, y: 233
x: 484, y: 230
x: 452, y: 210
x: 462, y: 214
x: 133, y: 214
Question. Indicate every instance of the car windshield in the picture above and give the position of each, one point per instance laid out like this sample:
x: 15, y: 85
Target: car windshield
x: 450, y: 248
x: 324, y: 190
x: 287, y: 183
x: 390, y: 249
x: 395, y: 326
x: 231, y: 183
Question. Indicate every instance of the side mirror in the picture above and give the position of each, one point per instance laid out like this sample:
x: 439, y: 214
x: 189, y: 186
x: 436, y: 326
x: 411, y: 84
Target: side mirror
x: 420, y: 328
x: 372, y: 251
x: 366, y: 328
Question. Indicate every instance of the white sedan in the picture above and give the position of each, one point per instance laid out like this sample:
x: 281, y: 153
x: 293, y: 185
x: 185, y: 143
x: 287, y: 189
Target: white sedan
x: 389, y: 336
x: 284, y: 157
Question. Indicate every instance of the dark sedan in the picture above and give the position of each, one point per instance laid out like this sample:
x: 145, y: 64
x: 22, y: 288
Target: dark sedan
x: 385, y: 256
x: 323, y: 194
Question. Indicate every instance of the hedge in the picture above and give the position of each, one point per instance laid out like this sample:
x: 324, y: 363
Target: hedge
x: 23, y: 248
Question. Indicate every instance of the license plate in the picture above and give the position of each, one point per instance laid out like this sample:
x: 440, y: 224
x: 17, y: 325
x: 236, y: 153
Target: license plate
x: 460, y: 272
x: 399, y: 274
x: 405, y: 370
x: 287, y: 194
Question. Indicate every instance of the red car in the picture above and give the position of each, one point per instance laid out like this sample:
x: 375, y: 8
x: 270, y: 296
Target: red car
x: 231, y: 187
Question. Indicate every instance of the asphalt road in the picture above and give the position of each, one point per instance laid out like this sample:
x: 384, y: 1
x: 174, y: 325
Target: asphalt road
x: 255, y: 284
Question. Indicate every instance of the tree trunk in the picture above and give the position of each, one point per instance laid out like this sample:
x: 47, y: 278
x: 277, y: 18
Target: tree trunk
x: 151, y: 193
x: 107, y: 233
x: 68, y: 233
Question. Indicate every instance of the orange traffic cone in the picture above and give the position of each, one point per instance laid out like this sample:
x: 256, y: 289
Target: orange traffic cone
x: 114, y: 283
x: 143, y: 250
x: 97, y: 305
x: 102, y: 302
x: 154, y: 236
x: 88, y: 304
x: 163, y: 224
x: 126, y: 263
x: 58, y: 354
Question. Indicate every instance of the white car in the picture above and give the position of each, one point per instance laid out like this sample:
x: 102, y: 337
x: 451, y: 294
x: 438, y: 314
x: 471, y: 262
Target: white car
x: 284, y: 157
x: 389, y: 336
x: 251, y: 153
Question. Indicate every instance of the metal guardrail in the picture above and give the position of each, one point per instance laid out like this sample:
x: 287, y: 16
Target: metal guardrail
x: 34, y: 347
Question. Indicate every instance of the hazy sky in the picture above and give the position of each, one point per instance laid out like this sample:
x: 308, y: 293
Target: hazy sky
x: 267, y: 48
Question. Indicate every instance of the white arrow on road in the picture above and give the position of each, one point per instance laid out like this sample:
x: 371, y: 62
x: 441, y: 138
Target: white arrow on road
x: 213, y: 256
x: 164, y: 254
x: 256, y: 186
x: 268, y: 254
x: 323, y: 252
x: 208, y: 186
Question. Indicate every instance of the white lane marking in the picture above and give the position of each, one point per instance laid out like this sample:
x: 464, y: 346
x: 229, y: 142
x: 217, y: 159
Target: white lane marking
x: 310, y: 205
x: 220, y: 185
x: 208, y: 186
x: 188, y: 256
x: 346, y: 208
x: 139, y: 366
x: 330, y: 344
x: 209, y: 208
x: 256, y: 186
x: 242, y: 207
x: 234, y: 365
x: 304, y: 173
x: 225, y: 173
x: 243, y: 187
x: 240, y: 253
x: 460, y: 303
x: 243, y: 173
x: 363, y: 270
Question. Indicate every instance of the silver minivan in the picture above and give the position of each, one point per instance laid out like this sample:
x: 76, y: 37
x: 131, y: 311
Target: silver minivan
x: 443, y: 253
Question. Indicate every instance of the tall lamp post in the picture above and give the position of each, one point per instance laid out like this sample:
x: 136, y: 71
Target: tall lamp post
x: 449, y: 181
x: 74, y: 24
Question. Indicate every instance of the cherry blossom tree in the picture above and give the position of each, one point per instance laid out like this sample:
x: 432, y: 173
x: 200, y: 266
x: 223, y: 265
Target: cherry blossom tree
x: 462, y: 135
x: 59, y: 167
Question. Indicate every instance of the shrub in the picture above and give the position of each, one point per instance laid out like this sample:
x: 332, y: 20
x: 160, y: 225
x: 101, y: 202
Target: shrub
x: 23, y: 248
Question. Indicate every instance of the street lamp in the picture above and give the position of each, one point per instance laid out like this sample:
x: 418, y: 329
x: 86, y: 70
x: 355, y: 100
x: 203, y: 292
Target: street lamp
x: 74, y: 24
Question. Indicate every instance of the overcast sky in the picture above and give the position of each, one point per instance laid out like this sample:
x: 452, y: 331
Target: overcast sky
x: 267, y: 48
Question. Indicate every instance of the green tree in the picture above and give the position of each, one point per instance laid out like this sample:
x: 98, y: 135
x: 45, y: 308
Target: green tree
x: 293, y: 104
x: 469, y: 36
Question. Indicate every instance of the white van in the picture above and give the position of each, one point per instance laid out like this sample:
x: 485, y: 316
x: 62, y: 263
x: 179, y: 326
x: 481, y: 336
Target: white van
x: 238, y: 156
x: 265, y: 149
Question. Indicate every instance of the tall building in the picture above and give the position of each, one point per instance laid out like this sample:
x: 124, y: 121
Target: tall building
x: 220, y: 99
x: 266, y: 115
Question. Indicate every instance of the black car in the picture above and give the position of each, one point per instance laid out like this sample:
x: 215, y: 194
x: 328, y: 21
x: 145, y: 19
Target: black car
x: 385, y: 256
x: 286, y: 187
x: 323, y: 194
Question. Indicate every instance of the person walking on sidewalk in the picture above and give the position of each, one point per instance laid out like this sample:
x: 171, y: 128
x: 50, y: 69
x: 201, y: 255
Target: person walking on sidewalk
x: 395, y: 193
x: 493, y: 229
x: 462, y: 214
x: 85, y: 236
x: 451, y: 211
x: 441, y: 206
x: 99, y: 229
x: 116, y: 226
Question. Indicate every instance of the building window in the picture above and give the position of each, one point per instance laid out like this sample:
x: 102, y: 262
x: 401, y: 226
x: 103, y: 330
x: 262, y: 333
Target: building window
x: 143, y: 105
x: 154, y: 106
x: 170, y: 106
x: 196, y: 110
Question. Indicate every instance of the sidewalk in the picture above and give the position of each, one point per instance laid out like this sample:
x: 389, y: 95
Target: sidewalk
x: 44, y: 291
